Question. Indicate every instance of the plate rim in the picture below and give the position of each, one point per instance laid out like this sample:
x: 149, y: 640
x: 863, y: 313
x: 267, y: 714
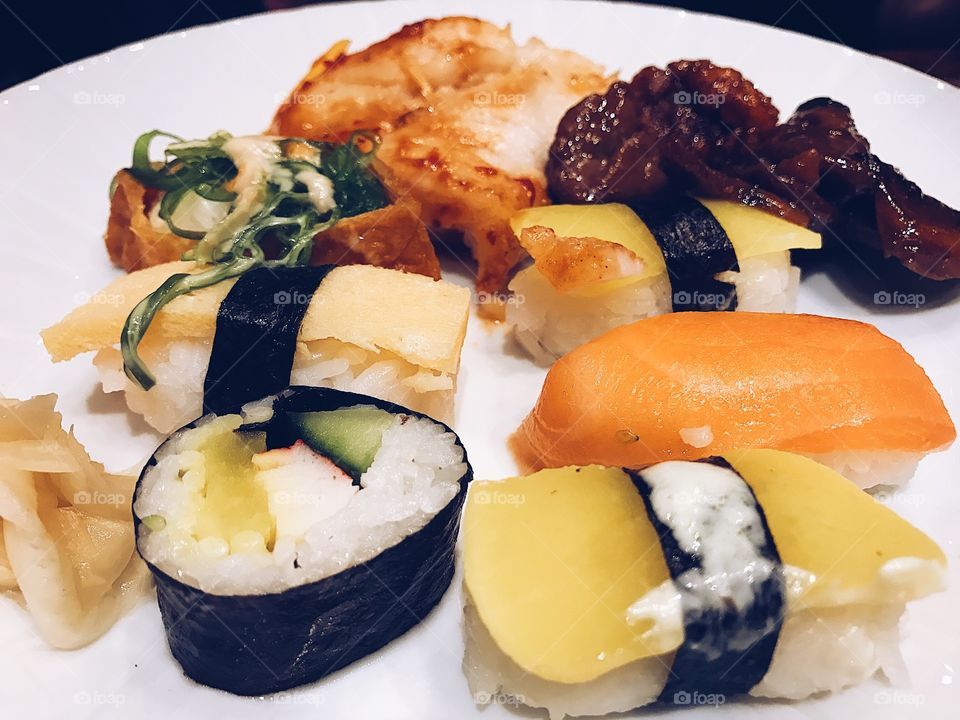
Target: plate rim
x: 653, y: 8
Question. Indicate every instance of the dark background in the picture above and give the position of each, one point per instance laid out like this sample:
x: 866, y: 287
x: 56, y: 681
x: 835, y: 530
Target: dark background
x: 38, y: 35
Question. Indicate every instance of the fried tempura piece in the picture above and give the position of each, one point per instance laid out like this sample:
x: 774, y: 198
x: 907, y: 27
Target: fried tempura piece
x: 392, y: 237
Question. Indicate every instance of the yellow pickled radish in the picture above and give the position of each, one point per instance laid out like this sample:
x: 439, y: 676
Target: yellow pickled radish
x: 248, y: 542
x: 754, y: 232
x: 234, y: 501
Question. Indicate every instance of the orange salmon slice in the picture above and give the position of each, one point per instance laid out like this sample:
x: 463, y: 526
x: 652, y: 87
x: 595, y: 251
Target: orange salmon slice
x: 689, y: 385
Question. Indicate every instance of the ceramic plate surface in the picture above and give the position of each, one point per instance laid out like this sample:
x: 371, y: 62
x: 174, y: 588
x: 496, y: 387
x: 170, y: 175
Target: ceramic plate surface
x: 64, y: 135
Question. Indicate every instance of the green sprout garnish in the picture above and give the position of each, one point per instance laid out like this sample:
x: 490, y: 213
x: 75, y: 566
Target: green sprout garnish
x: 278, y: 207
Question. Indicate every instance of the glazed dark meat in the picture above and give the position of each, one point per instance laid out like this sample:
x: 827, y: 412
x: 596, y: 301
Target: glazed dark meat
x: 664, y: 131
x: 698, y: 128
x: 917, y: 229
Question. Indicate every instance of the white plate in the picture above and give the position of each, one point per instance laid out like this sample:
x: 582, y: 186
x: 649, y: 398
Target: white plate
x: 64, y: 135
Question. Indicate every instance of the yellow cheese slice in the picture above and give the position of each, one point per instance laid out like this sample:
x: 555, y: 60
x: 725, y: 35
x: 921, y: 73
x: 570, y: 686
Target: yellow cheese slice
x: 553, y: 560
x: 851, y: 548
x: 417, y: 318
x: 754, y: 232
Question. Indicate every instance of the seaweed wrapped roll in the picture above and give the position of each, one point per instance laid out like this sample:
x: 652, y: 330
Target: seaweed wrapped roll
x: 299, y: 535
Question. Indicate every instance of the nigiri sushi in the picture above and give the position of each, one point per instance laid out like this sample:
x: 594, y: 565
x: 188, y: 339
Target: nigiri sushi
x: 689, y: 385
x: 385, y: 333
x: 299, y: 535
x: 594, y: 590
x: 596, y: 267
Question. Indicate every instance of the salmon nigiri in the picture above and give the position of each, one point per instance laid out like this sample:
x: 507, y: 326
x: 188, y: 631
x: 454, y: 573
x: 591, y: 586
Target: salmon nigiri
x: 691, y: 385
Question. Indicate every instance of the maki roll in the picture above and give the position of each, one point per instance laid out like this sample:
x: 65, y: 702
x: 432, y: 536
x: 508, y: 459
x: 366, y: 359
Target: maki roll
x: 295, y: 537
x: 685, y: 386
x: 385, y: 333
x: 596, y: 267
x: 593, y: 590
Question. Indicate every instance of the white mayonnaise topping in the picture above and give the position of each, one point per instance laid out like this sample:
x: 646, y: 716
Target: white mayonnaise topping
x: 198, y: 214
x: 257, y: 160
x: 663, y: 607
x: 319, y: 188
x: 712, y: 514
x: 254, y: 157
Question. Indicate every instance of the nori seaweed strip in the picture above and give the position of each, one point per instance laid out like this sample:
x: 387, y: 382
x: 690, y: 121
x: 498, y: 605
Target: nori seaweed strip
x: 259, y: 644
x: 709, y: 661
x: 256, y: 336
x: 695, y: 248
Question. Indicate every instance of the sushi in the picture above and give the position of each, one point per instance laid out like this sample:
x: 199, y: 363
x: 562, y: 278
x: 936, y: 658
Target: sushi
x: 385, y: 333
x: 596, y: 267
x: 594, y: 590
x: 299, y: 535
x: 689, y: 385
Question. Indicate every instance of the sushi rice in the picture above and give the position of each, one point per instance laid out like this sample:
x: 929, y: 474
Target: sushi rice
x: 867, y: 469
x: 181, y: 366
x: 872, y: 469
x: 414, y: 474
x: 822, y: 650
x: 549, y: 323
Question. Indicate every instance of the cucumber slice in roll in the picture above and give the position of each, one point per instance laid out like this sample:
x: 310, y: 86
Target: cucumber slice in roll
x: 350, y: 436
